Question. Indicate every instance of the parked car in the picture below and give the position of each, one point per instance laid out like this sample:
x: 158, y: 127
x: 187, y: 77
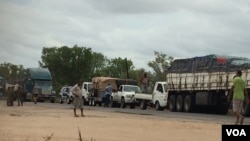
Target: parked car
x: 65, y: 95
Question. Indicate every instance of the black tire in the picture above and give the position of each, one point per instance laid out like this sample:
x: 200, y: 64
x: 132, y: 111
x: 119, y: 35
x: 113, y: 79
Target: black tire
x: 112, y: 103
x: 90, y: 101
x: 143, y: 105
x: 68, y: 100
x: 53, y: 100
x: 61, y: 100
x: 246, y: 111
x: 179, y: 103
x: 84, y: 101
x: 158, y: 106
x: 123, y: 104
x: 172, y: 103
x: 189, y: 103
x: 132, y: 105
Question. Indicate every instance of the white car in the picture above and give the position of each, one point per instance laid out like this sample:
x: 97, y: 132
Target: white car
x: 65, y: 95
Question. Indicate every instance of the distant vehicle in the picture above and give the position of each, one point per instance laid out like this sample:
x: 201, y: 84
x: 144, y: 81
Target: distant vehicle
x: 86, y: 89
x: 125, y: 94
x: 65, y: 95
x: 41, y: 77
x: 158, y: 98
x: 98, y: 92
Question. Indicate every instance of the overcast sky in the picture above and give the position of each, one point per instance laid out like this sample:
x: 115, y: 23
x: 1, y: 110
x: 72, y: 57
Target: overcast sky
x: 124, y: 28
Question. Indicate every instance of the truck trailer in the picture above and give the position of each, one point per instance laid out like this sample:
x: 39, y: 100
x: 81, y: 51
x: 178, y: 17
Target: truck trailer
x: 199, y: 83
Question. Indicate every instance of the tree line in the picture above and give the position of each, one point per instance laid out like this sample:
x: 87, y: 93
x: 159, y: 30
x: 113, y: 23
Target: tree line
x: 68, y: 64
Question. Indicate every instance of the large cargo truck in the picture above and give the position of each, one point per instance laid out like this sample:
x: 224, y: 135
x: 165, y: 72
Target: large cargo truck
x: 203, y: 83
x: 42, y: 78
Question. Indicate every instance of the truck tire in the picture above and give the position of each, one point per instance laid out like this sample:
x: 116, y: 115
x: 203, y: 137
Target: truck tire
x: 189, y: 103
x: 90, y: 103
x: 112, y: 103
x: 52, y: 100
x: 123, y: 104
x: 132, y: 105
x: 68, y: 100
x: 179, y: 103
x: 172, y: 103
x: 143, y: 105
x: 158, y: 106
x: 61, y: 100
x: 246, y: 111
x: 84, y: 101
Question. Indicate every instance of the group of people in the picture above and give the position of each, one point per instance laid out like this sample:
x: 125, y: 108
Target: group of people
x: 238, y: 93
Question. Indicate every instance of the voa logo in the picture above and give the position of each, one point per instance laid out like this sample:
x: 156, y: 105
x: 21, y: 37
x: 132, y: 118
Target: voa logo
x: 236, y: 132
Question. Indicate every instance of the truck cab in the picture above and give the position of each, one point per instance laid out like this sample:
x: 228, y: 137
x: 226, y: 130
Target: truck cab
x: 160, y: 95
x: 125, y: 95
x: 86, y: 88
x: 158, y: 98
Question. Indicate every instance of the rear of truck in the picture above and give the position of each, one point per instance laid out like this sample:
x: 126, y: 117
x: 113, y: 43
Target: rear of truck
x: 202, y: 83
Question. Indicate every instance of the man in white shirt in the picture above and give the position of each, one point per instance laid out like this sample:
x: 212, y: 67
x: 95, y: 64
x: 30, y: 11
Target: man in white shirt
x: 76, y: 90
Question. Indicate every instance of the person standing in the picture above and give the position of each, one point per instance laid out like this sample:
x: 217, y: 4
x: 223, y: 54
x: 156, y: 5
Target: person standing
x: 238, y: 93
x: 76, y: 90
x: 109, y: 90
x: 145, y: 83
x: 35, y: 92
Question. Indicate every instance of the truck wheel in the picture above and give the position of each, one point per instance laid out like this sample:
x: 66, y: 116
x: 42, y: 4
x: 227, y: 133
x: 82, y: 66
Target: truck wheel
x: 61, y: 100
x: 90, y: 101
x: 112, y: 103
x: 93, y: 103
x: 143, y: 105
x: 132, y: 105
x: 84, y: 101
x: 158, y: 106
x: 52, y: 100
x: 172, y: 103
x: 123, y: 104
x: 179, y: 103
x: 68, y: 100
x: 189, y: 103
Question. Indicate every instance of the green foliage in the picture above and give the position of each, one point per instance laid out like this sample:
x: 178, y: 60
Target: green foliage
x: 160, y: 65
x: 68, y: 64
x: 12, y: 73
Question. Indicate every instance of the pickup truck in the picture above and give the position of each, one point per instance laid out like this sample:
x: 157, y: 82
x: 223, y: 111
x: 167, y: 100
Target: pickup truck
x: 158, y: 98
x: 125, y: 96
x: 97, y: 94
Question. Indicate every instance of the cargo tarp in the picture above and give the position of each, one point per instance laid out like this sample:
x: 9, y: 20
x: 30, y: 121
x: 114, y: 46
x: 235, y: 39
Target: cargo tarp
x: 209, y: 63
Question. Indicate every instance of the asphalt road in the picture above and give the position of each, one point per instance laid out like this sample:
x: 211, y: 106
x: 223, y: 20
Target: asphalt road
x: 202, y: 117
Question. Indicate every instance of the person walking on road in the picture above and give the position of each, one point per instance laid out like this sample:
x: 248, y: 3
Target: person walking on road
x: 76, y: 90
x: 109, y: 90
x: 35, y: 92
x: 238, y: 93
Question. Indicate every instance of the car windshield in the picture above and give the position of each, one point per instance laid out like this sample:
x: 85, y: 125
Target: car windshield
x: 132, y: 89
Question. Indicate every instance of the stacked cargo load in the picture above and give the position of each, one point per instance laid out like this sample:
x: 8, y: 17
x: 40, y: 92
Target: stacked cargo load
x: 205, y: 80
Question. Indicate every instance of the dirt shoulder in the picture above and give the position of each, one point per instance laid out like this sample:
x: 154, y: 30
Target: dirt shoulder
x: 34, y: 123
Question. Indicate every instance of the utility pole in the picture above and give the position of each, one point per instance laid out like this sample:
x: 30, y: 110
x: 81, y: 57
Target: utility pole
x: 127, y: 67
